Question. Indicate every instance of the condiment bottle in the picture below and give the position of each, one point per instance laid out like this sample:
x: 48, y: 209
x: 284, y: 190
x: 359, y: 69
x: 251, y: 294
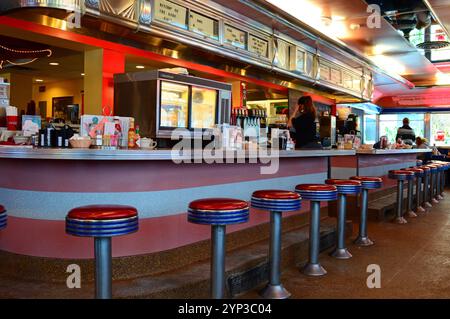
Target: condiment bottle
x: 131, y: 135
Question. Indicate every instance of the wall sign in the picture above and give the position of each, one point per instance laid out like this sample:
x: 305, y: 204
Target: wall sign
x: 258, y: 46
x: 282, y: 54
x: 203, y: 25
x: 336, y: 76
x: 170, y: 13
x: 235, y: 37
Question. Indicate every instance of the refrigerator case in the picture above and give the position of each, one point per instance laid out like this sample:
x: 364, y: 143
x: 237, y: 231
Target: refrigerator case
x: 162, y: 102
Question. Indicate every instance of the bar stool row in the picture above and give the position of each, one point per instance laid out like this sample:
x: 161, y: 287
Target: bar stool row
x: 104, y: 222
x: 429, y: 188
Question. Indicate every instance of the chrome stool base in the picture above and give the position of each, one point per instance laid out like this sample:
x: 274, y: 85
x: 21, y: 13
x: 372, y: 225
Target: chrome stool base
x: 434, y: 201
x: 439, y: 197
x: 411, y: 214
x: 274, y: 292
x: 400, y: 220
x: 341, y: 253
x: 313, y: 270
x: 420, y: 209
x: 428, y: 205
x: 363, y: 241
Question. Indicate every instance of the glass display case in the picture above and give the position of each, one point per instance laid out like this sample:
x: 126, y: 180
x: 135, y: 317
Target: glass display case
x: 162, y: 102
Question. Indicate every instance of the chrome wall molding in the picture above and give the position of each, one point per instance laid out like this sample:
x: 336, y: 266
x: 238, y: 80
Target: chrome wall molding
x: 307, y: 64
x: 69, y: 5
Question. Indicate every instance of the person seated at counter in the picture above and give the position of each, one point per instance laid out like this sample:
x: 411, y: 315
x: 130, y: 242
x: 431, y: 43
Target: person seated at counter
x: 304, y: 122
x: 406, y: 133
x: 421, y: 143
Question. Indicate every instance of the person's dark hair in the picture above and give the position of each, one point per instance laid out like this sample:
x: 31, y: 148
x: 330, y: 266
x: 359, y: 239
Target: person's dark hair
x: 308, y: 105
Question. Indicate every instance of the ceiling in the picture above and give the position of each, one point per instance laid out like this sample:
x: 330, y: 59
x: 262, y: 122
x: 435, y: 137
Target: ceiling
x: 403, y: 68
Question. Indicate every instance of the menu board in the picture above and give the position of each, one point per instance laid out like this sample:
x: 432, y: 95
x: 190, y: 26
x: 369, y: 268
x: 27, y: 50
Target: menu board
x: 309, y: 64
x: 258, y: 46
x: 282, y: 54
x: 347, y: 82
x: 170, y: 13
x: 336, y: 76
x: 300, y: 61
x: 235, y: 37
x: 203, y: 25
x: 324, y: 72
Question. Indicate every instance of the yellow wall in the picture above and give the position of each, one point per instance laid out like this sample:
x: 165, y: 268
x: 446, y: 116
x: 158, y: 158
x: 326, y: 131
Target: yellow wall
x: 58, y: 89
x: 20, y: 90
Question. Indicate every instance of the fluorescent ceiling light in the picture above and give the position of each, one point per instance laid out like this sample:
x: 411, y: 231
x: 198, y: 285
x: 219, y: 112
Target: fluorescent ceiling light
x: 54, y: 63
x: 39, y: 80
x: 311, y: 14
x: 140, y: 67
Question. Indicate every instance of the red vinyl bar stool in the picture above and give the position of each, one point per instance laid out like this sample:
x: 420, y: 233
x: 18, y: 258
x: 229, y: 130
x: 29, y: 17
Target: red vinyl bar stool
x: 401, y: 176
x: 315, y: 193
x: 344, y: 188
x: 420, y: 173
x: 3, y: 217
x: 102, y: 222
x: 277, y: 202
x: 410, y: 192
x: 218, y: 212
x: 432, y: 190
x: 367, y: 183
x: 426, y: 186
x: 444, y: 173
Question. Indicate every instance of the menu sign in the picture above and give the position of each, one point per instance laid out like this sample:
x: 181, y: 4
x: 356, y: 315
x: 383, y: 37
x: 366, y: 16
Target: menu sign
x: 336, y: 76
x: 170, y: 13
x: 258, y: 46
x: 203, y: 25
x: 282, y: 54
x: 324, y: 72
x: 235, y: 37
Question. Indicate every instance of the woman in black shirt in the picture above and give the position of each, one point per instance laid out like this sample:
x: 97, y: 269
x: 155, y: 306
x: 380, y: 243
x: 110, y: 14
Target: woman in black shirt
x: 304, y: 122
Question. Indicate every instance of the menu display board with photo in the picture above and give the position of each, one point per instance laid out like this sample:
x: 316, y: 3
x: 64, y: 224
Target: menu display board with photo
x: 203, y: 25
x: 282, y: 57
x: 324, y: 72
x: 300, y: 61
x: 235, y: 37
x: 336, y: 76
x: 170, y: 13
x: 258, y: 46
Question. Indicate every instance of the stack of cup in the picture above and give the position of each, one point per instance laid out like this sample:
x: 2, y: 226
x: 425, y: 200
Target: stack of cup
x: 11, y: 118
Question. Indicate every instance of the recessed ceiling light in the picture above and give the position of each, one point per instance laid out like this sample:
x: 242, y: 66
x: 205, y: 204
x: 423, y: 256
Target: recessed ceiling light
x: 140, y: 67
x: 39, y: 80
x: 54, y: 63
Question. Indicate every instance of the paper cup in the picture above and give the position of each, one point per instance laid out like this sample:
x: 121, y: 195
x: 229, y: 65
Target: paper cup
x: 11, y: 123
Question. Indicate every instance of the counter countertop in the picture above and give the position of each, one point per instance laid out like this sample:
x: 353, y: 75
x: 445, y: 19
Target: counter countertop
x: 395, y: 151
x: 125, y: 155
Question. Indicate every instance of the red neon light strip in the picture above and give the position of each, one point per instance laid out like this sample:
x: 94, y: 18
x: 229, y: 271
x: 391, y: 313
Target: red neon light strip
x: 74, y: 37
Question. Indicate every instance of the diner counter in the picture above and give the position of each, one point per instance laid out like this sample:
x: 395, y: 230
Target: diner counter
x: 142, y: 155
x: 39, y: 186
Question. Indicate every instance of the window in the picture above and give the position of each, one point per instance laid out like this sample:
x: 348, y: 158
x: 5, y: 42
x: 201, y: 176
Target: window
x: 440, y: 128
x: 389, y: 123
x: 370, y: 129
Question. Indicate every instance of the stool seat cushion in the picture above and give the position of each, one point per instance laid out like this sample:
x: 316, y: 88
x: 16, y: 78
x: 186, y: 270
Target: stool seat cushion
x: 369, y: 182
x: 417, y: 171
x: 276, y: 200
x: 3, y: 217
x: 102, y: 221
x: 401, y: 174
x: 218, y: 211
x: 433, y: 168
x: 345, y: 186
x: 102, y: 212
x: 426, y: 170
x: 317, y: 192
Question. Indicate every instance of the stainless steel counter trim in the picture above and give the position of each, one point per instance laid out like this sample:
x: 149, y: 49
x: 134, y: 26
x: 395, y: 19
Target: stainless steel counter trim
x: 387, y: 152
x: 126, y: 155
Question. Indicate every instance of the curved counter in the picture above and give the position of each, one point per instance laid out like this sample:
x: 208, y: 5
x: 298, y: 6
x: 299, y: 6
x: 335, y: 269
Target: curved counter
x: 39, y: 186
